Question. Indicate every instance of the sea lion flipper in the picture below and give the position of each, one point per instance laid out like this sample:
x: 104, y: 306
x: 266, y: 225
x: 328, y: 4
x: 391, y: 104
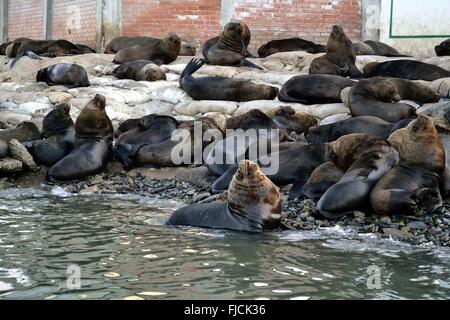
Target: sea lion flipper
x: 297, y: 188
x: 246, y: 63
x: 224, y: 181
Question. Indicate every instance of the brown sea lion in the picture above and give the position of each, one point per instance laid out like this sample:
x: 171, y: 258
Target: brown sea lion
x: 221, y: 88
x: 314, y: 89
x: 45, y: 48
x: 83, y: 49
x: 287, y: 119
x: 162, y: 51
x: 287, y: 45
x: 340, y: 57
x: 378, y: 97
x: 253, y: 205
x: 230, y: 50
x: 140, y: 70
x: 69, y: 75
x: 406, y: 69
x: 119, y: 43
x: 57, y: 137
x: 443, y: 49
x: 376, y: 48
x: 94, y: 134
x: 12, y: 48
x: 414, y: 185
x: 322, y: 178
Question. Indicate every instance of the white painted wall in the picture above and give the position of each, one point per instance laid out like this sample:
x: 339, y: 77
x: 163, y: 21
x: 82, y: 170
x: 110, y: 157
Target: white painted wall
x: 417, y: 19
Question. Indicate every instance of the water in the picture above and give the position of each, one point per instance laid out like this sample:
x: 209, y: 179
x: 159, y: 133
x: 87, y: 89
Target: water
x: 122, y: 251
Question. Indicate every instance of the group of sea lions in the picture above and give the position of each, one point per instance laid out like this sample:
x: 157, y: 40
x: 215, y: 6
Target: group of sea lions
x: 385, y: 158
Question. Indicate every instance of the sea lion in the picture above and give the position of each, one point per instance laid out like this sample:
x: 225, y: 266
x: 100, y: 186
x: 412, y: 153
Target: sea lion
x: 443, y: 49
x: 187, y: 49
x: 93, y: 122
x: 253, y: 205
x: 3, y: 47
x: 291, y: 44
x: 221, y: 88
x: 58, y: 137
x: 406, y: 69
x: 151, y: 129
x: 161, y: 51
x: 340, y: 57
x: 287, y: 119
x: 364, y: 124
x: 245, y: 36
x: 378, y: 97
x: 321, y: 179
x: 3, y: 149
x: 24, y: 131
x: 376, y: 48
x: 314, y: 89
x: 353, y: 190
x: 94, y: 133
x: 253, y: 119
x: 127, y: 125
x: 69, y: 75
x: 414, y: 185
x: 119, y: 43
x: 13, y: 46
x: 140, y: 70
x: 83, y: 49
x: 230, y: 50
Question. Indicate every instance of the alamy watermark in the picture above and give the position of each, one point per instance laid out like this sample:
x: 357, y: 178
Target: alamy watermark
x: 73, y: 281
x: 374, y: 278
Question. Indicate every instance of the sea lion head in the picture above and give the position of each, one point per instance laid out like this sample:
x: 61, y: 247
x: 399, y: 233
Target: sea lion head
x: 42, y: 75
x: 252, y: 195
x: 246, y: 34
x: 382, y: 89
x: 285, y: 111
x: 57, y: 121
x: 265, y: 51
x: 173, y: 41
x: 337, y: 32
x: 152, y: 72
x: 99, y: 102
x: 443, y: 49
x: 233, y: 29
x: 419, y: 144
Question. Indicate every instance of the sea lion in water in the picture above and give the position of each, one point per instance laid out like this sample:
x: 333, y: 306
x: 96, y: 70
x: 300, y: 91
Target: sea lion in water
x: 230, y: 50
x: 353, y: 190
x: 150, y: 129
x: 287, y: 119
x: 406, y: 69
x: 314, y: 89
x: 140, y: 70
x: 161, y: 51
x: 291, y: 44
x: 364, y: 124
x: 413, y: 185
x: 378, y: 97
x: 340, y: 57
x: 221, y: 88
x: 69, y: 75
x: 58, y: 137
x: 443, y: 49
x: 94, y: 134
x: 24, y: 131
x: 253, y: 205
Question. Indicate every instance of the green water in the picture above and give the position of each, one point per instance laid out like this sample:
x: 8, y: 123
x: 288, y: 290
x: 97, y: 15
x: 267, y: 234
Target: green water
x: 121, y: 249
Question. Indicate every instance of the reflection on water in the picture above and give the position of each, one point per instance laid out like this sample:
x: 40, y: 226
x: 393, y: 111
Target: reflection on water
x: 123, y: 251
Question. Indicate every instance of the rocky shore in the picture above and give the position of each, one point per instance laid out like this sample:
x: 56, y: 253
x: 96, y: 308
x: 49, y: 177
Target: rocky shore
x: 192, y: 185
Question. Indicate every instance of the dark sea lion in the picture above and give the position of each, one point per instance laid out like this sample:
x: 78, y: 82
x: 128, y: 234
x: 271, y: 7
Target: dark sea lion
x: 94, y: 134
x: 353, y: 190
x: 165, y: 51
x: 221, y: 88
x: 70, y: 75
x: 414, y: 185
x: 321, y: 179
x: 83, y: 49
x: 3, y: 47
x: 314, y: 89
x: 151, y: 129
x: 119, y: 43
x: 253, y: 119
x: 93, y: 122
x: 140, y: 70
x: 13, y: 47
x: 287, y: 119
x: 230, y: 50
x: 127, y: 125
x: 25, y: 131
x: 443, y: 49
x: 364, y: 124
x: 406, y: 69
x: 291, y: 44
x: 340, y: 57
x: 253, y: 205
x: 382, y: 49
x: 187, y: 49
x: 3, y: 149
x: 378, y: 97
x: 245, y: 36
x: 58, y: 137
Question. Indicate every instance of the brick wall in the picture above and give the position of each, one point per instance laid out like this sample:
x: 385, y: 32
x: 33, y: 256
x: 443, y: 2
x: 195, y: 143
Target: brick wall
x: 26, y: 19
x: 192, y: 20
x: 75, y: 20
x: 310, y: 19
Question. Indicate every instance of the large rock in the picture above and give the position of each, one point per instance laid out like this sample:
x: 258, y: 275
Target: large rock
x: 8, y: 165
x: 19, y: 152
x: 205, y: 106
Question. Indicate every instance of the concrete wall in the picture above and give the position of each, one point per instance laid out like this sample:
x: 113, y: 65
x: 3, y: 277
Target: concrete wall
x: 417, y: 25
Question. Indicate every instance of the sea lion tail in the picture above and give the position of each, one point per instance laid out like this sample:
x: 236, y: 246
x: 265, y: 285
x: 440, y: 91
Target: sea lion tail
x: 192, y: 67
